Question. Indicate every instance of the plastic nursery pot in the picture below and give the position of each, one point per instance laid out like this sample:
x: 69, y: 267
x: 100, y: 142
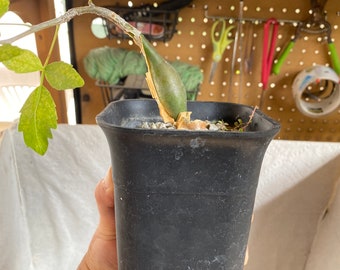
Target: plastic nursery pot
x: 184, y: 199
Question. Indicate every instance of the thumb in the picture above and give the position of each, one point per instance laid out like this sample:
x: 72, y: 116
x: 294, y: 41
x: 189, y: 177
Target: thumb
x: 105, y: 203
x: 102, y: 252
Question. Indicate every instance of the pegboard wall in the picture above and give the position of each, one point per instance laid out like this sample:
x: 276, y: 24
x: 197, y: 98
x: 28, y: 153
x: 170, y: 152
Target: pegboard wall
x: 233, y: 81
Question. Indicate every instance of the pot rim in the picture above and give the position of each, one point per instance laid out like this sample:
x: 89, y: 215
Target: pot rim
x: 102, y: 121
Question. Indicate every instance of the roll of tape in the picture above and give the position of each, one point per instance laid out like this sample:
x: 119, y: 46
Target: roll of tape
x: 316, y: 91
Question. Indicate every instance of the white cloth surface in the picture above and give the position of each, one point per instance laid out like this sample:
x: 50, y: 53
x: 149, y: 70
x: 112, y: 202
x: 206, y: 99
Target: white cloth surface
x: 47, y: 206
x: 326, y: 245
x: 48, y: 212
x: 296, y: 184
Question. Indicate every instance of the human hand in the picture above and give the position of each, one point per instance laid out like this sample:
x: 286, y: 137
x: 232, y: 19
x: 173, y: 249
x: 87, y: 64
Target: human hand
x: 102, y: 251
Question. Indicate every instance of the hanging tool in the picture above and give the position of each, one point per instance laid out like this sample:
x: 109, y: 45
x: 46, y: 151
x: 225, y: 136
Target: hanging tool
x: 249, y: 50
x: 270, y: 31
x: 315, y: 24
x: 220, y: 41
x: 237, y: 46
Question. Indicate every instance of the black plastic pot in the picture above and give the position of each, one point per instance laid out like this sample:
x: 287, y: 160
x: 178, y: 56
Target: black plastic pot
x: 184, y: 199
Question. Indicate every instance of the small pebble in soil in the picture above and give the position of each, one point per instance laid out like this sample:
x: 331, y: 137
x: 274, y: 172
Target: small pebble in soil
x: 157, y: 125
x: 211, y: 126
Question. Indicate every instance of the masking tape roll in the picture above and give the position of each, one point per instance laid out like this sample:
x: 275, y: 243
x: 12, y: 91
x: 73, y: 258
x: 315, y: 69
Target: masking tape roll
x: 316, y: 91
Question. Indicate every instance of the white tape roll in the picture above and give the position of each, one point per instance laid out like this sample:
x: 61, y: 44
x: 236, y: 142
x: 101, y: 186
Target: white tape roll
x: 316, y: 91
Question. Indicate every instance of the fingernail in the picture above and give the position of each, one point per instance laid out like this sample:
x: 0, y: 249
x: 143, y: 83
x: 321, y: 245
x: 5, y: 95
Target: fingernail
x: 108, y: 179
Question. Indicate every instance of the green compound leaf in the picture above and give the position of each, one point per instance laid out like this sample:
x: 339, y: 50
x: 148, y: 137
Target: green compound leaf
x: 61, y: 76
x: 38, y: 116
x: 19, y: 60
x: 4, y: 4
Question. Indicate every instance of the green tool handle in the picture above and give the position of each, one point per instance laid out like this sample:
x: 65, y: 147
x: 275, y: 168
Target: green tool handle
x: 277, y: 66
x: 334, y: 58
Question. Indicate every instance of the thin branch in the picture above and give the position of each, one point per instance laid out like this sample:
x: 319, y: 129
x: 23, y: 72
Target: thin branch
x: 78, y: 11
x: 251, y: 116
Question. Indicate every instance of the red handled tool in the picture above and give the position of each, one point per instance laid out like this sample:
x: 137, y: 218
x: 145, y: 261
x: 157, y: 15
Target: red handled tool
x: 270, y: 32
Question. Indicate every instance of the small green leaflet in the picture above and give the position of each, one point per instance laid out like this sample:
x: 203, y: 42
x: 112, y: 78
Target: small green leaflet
x: 8, y: 51
x: 38, y: 116
x: 19, y: 60
x: 61, y: 76
x: 4, y: 4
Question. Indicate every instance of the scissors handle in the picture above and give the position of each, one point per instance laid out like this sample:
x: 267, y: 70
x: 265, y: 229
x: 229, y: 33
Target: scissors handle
x: 213, y: 30
x: 268, y: 53
x: 220, y: 41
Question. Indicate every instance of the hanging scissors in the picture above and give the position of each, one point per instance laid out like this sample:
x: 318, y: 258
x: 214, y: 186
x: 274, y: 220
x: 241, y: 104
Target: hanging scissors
x: 220, y: 42
x: 270, y: 32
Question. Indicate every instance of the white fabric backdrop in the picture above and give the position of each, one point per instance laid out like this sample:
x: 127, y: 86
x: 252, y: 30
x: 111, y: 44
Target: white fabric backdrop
x: 47, y: 204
